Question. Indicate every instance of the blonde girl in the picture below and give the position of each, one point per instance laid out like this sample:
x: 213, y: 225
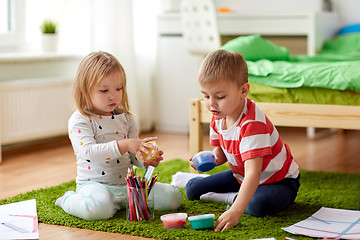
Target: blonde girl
x: 104, y: 137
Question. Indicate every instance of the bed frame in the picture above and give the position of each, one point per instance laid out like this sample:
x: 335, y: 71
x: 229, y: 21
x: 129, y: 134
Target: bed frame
x: 281, y: 114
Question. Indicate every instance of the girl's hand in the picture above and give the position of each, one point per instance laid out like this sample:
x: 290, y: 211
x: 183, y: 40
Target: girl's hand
x: 146, y: 148
x: 228, y: 219
x: 137, y: 146
x: 150, y: 153
x: 154, y: 162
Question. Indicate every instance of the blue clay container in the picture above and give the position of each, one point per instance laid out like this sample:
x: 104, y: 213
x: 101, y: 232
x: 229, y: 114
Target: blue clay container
x: 202, y: 221
x: 204, y: 161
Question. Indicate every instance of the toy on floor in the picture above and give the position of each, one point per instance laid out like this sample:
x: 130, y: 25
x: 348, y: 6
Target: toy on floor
x: 174, y: 220
x: 152, y: 151
x: 202, y: 221
x: 204, y: 161
x: 178, y: 220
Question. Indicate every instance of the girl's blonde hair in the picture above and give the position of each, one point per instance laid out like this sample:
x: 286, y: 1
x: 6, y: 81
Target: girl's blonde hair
x: 223, y: 65
x: 91, y: 72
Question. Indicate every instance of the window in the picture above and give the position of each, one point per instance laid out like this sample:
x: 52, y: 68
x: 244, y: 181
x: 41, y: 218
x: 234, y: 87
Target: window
x: 12, y: 25
x: 5, y: 22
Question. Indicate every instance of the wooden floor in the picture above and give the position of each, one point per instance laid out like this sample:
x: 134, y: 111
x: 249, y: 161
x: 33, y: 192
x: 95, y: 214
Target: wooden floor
x: 48, y: 164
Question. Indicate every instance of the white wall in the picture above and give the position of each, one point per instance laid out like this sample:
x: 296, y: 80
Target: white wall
x: 348, y: 11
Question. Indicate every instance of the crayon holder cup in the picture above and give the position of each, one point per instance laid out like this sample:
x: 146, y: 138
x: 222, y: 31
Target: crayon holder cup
x: 140, y: 206
x: 204, y: 161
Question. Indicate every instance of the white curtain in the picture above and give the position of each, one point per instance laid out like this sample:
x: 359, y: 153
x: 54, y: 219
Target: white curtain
x: 127, y: 29
x: 145, y: 37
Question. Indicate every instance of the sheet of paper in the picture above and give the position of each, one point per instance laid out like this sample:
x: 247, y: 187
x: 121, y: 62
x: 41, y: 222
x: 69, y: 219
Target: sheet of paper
x: 329, y: 223
x: 19, y: 220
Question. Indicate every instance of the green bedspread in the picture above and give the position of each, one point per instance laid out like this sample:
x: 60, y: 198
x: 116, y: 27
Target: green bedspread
x: 336, y: 67
x: 343, y: 75
x: 305, y: 95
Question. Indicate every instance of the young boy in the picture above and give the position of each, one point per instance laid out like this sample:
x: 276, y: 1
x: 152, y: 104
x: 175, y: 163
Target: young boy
x: 264, y: 178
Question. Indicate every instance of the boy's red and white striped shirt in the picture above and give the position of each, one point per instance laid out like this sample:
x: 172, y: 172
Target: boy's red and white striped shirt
x: 253, y: 135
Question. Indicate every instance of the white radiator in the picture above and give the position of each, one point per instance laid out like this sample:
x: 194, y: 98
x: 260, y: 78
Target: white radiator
x: 34, y: 108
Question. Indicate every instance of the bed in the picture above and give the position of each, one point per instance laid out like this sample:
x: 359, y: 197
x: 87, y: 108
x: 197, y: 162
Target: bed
x: 321, y: 91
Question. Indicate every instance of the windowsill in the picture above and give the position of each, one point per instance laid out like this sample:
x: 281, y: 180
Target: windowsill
x: 36, y: 56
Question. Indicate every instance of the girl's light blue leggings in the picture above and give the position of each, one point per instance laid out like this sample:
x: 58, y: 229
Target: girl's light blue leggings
x: 95, y: 201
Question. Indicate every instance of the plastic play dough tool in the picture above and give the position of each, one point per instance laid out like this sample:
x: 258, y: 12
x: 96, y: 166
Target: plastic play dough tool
x: 204, y: 161
x: 149, y: 172
x: 202, y: 221
x: 174, y: 220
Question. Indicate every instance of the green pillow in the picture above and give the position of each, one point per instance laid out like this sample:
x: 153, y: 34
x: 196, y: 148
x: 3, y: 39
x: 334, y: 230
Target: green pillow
x: 343, y: 44
x: 254, y: 47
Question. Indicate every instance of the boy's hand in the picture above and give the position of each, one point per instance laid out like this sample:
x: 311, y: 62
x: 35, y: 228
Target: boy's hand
x: 191, y: 163
x: 231, y: 217
x: 228, y: 219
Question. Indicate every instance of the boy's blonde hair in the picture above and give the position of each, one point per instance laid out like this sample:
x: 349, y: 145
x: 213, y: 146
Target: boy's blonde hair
x: 91, y: 72
x: 223, y: 65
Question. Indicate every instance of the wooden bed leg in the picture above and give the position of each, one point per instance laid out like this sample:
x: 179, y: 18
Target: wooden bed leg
x: 312, y: 134
x: 195, y: 134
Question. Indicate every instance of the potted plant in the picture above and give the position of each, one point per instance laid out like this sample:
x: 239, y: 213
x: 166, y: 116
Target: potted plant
x: 49, y: 36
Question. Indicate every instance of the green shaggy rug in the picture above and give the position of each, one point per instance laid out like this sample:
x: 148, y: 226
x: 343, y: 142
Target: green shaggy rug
x: 318, y: 189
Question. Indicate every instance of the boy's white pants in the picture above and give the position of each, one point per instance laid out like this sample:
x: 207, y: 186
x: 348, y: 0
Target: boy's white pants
x: 95, y: 201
